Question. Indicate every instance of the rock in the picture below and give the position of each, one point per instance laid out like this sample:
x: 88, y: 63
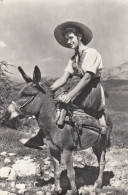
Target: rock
x: 53, y: 187
x: 69, y: 192
x: 47, y: 188
x: 13, y: 190
x: 26, y: 167
x: 48, y: 193
x: 40, y: 193
x: 11, y: 154
x: 109, y: 193
x: 116, y: 183
x: 27, y: 158
x: 51, y: 174
x: 23, y: 141
x: 79, y: 158
x: 20, y: 186
x: 7, y: 173
x: 4, y: 193
x: 87, y: 190
x: 7, y: 160
x: 13, y: 184
x: 28, y: 187
x: 85, y: 193
x: 47, y: 162
x: 46, y: 178
x: 12, y: 175
x: 2, y: 185
x: 21, y: 192
x: 3, y: 153
x: 4, y: 172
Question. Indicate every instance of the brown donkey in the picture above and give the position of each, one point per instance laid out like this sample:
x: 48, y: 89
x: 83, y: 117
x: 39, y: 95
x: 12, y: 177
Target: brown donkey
x: 35, y: 99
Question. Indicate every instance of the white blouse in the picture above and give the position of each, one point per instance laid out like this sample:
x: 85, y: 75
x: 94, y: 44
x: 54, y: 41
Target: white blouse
x: 92, y: 62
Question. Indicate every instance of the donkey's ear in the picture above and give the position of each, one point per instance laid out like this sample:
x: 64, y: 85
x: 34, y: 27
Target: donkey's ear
x: 25, y: 77
x: 36, y: 75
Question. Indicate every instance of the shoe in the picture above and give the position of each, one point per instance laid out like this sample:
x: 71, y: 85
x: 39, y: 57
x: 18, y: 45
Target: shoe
x: 103, y: 130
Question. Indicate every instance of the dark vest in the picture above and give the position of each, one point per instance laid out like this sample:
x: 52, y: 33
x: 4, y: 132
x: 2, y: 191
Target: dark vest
x: 90, y: 98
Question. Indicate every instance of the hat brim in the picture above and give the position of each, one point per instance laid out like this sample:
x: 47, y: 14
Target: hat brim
x: 87, y: 34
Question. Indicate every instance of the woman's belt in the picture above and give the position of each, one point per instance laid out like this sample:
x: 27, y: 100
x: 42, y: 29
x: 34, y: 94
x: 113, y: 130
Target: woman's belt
x: 95, y: 80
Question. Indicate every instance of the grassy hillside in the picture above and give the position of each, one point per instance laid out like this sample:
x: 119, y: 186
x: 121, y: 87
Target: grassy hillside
x: 115, y: 85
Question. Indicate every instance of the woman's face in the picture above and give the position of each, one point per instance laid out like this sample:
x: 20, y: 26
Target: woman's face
x: 72, y: 40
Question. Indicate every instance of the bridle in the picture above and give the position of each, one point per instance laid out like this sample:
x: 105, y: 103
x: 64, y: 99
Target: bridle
x: 20, y: 107
x: 28, y: 101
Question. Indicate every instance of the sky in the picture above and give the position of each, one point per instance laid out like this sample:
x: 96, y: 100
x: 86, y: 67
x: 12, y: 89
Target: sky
x: 27, y: 32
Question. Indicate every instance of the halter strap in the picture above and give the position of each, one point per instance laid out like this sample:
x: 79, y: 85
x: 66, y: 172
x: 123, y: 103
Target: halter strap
x: 25, y: 104
x: 28, y: 101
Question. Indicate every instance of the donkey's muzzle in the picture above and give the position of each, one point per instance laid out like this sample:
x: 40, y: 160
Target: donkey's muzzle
x: 12, y: 112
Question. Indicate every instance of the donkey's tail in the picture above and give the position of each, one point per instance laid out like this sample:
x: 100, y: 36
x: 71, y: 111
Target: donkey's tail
x: 108, y: 141
x: 106, y: 93
x: 109, y: 130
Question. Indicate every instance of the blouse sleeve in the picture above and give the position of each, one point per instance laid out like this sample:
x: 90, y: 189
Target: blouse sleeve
x: 69, y: 67
x: 91, y: 61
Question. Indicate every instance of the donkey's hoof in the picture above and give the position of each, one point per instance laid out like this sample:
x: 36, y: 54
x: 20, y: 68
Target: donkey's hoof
x: 57, y: 192
x: 98, y: 184
x: 72, y: 192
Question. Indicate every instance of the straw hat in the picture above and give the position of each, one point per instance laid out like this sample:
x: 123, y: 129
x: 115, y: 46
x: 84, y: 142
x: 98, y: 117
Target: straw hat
x: 81, y: 28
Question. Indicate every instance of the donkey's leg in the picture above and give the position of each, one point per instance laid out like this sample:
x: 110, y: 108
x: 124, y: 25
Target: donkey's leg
x: 70, y: 170
x: 100, y: 152
x: 56, y: 175
x: 99, y: 181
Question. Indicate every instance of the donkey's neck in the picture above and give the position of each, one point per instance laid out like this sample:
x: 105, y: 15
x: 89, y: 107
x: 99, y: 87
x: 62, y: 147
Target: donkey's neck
x: 47, y: 113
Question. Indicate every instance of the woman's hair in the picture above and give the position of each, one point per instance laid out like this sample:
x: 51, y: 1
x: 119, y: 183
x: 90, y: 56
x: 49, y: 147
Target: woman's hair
x: 71, y: 30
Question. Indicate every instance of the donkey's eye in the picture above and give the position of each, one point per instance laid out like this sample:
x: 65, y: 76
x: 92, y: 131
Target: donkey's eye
x: 34, y: 85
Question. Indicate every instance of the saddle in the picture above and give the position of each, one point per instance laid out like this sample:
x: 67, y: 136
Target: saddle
x: 77, y: 118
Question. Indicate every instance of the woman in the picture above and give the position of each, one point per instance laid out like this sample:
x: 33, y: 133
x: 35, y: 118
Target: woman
x: 86, y: 64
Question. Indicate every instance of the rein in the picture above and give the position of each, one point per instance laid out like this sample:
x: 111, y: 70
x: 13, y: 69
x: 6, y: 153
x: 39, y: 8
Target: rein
x: 28, y: 101
x: 18, y: 107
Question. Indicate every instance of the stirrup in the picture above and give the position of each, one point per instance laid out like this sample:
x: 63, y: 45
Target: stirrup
x: 61, y: 118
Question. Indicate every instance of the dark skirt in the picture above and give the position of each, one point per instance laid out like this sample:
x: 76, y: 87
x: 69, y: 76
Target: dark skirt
x: 90, y: 99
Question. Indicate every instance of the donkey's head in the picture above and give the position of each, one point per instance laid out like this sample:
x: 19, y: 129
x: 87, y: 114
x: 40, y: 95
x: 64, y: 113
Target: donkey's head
x: 28, y: 101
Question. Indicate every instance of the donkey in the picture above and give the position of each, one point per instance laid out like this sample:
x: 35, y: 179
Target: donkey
x: 35, y: 99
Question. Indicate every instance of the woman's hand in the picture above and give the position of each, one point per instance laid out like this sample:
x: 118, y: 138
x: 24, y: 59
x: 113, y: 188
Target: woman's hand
x: 52, y: 88
x: 65, y: 98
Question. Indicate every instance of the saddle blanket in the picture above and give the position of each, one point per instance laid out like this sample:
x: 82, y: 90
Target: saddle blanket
x: 81, y: 119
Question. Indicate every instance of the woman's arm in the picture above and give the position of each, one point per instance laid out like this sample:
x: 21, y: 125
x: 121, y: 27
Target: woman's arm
x: 60, y: 81
x: 81, y: 85
x: 78, y: 88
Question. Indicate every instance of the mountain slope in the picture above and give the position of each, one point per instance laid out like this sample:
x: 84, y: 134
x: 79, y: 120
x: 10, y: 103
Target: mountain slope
x: 117, y: 73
